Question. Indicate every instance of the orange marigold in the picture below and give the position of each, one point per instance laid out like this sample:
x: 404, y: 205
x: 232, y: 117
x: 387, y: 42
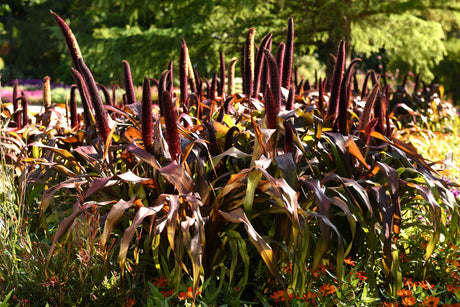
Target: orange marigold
x: 404, y: 292
x: 160, y: 282
x: 309, y: 298
x: 278, y: 296
x: 187, y: 295
x: 409, y: 301
x: 408, y: 282
x: 390, y: 304
x: 452, y: 288
x: 327, y: 289
x: 425, y: 285
x: 129, y: 302
x: 349, y: 261
x: 430, y: 301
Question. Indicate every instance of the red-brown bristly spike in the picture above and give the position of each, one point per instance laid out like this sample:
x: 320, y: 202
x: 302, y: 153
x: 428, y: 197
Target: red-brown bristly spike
x: 270, y: 108
x: 355, y: 84
x: 208, y: 88
x: 162, y: 86
x: 170, y: 79
x: 17, y: 115
x: 129, y: 86
x: 280, y: 54
x: 46, y: 89
x: 114, y: 94
x: 171, y: 133
x: 74, y: 122
x: 306, y: 86
x: 345, y: 98
x: 84, y: 95
x: 101, y: 116
x: 379, y: 114
x: 260, y: 63
x: 146, y: 120
x: 374, y: 77
x: 336, y: 83
x: 320, y: 96
x: 290, y: 100
x: 364, y: 90
x: 25, y: 114
x: 105, y: 92
x: 199, y: 83
x: 222, y: 76
x: 248, y: 62
x: 70, y: 40
x: 289, y: 137
x: 213, y: 86
x: 289, y: 55
x: 183, y: 68
x: 274, y: 80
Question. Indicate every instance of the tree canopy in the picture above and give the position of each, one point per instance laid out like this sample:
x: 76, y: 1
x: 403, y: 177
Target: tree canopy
x: 412, y: 35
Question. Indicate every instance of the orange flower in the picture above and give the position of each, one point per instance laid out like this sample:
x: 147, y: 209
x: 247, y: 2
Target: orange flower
x: 130, y: 302
x: 390, y: 304
x: 288, y: 268
x: 160, y: 282
x: 452, y: 288
x: 167, y: 293
x: 327, y: 289
x: 349, y: 261
x: 361, y: 276
x: 404, y: 292
x: 278, y: 296
x: 403, y: 257
x: 425, y: 285
x: 409, y: 301
x: 431, y: 301
x: 309, y: 298
x: 408, y: 282
x: 187, y: 295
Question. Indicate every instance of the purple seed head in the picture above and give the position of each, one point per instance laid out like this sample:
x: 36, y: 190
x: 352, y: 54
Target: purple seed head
x: 70, y: 40
x: 129, y: 86
x: 289, y: 55
x: 280, y: 55
x: 183, y: 70
x: 147, y: 120
x: 336, y: 83
x: 274, y: 81
x: 74, y: 123
x: 222, y: 76
x: 170, y: 119
x: 101, y: 116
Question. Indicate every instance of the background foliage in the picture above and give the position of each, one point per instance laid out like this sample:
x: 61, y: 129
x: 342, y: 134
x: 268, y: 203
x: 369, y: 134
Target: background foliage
x: 417, y: 36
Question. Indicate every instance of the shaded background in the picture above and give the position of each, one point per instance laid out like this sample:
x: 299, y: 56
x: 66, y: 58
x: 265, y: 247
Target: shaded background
x: 396, y: 37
